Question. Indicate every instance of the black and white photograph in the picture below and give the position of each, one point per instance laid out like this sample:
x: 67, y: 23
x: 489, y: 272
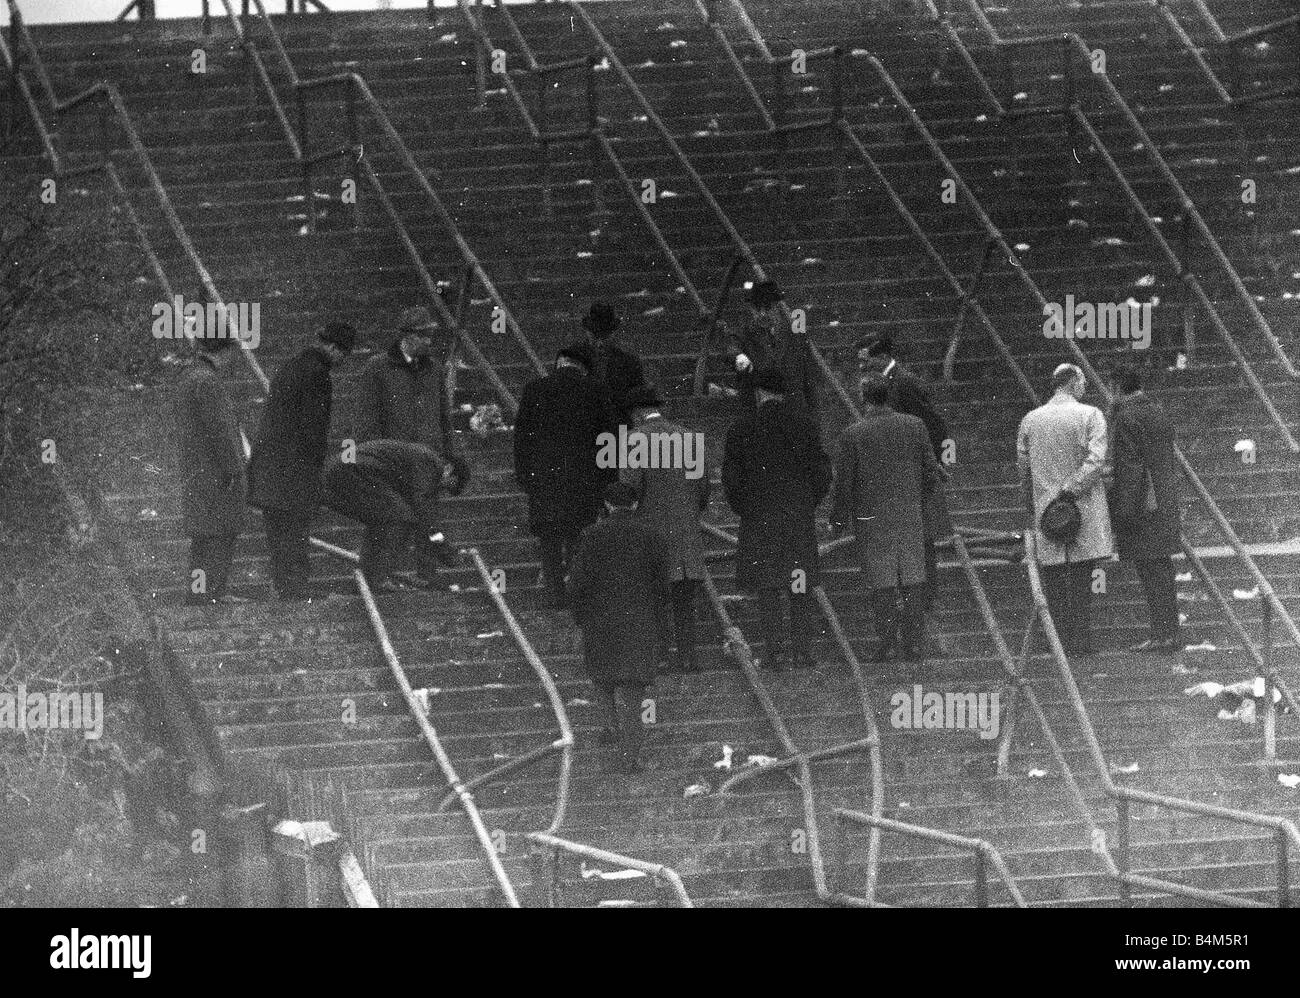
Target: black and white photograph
x: 727, y: 454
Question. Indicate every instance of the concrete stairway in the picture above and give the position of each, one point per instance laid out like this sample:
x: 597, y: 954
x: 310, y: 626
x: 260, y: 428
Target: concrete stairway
x: 276, y: 679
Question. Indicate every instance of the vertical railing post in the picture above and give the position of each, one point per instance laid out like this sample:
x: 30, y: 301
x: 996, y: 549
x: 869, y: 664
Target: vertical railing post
x: 1270, y: 706
x: 1283, y: 871
x: 206, y: 19
x: 981, y: 879
x: 1122, y: 849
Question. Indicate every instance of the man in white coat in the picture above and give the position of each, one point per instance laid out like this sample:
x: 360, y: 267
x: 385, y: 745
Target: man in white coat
x: 1061, y: 447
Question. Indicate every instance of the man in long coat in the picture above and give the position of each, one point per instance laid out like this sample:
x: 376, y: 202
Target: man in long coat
x: 392, y: 487
x: 671, y: 500
x: 1061, y: 447
x: 1143, y: 499
x: 766, y: 340
x: 619, y: 369
x: 292, y: 441
x: 775, y: 472
x: 401, y: 395
x: 213, y: 482
x: 909, y: 395
x: 884, y: 471
x: 560, y: 418
x: 618, y: 587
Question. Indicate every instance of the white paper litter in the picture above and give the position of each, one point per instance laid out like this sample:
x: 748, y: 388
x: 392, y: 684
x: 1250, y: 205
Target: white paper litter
x: 1244, y: 713
x: 761, y: 760
x: 588, y: 872
x: 1242, y: 446
x: 696, y: 790
x: 1036, y: 773
x: 1130, y: 768
x: 1203, y: 646
x: 725, y: 761
x: 1245, y: 593
x: 1183, y: 577
x: 490, y: 634
x: 1289, y: 780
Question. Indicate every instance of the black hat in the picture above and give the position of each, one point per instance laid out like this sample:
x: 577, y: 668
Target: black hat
x: 764, y: 294
x: 620, y: 495
x: 643, y: 397
x: 339, y: 334
x: 579, y: 352
x: 877, y: 345
x: 770, y: 379
x: 601, y: 320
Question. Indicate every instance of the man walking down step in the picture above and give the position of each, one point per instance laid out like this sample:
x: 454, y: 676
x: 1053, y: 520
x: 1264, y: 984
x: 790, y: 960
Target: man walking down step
x: 213, y: 481
x: 618, y: 587
x: 1144, y: 501
x: 619, y: 369
x: 289, y: 454
x: 775, y: 472
x: 884, y: 472
x: 909, y: 395
x: 671, y: 500
x: 560, y: 417
x: 392, y: 487
x: 401, y: 395
x: 1061, y: 449
x: 766, y: 340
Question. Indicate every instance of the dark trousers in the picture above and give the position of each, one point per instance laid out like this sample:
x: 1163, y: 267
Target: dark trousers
x: 1157, y: 575
x: 930, y: 591
x: 210, y: 559
x: 772, y: 618
x: 1069, y: 600
x: 286, y: 543
x: 683, y: 594
x: 899, y: 617
x: 384, y: 543
x: 558, y: 550
x: 621, y: 706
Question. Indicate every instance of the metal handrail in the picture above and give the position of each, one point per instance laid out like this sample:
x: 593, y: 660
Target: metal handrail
x: 1284, y: 830
x: 555, y: 845
x: 430, y: 736
x: 356, y: 86
x: 985, y: 853
x: 1071, y: 40
x: 563, y: 746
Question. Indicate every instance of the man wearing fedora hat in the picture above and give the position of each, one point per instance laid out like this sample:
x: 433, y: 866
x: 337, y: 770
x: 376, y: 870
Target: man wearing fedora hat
x: 401, y: 395
x: 292, y: 440
x: 619, y: 369
x: 767, y: 341
x: 560, y: 417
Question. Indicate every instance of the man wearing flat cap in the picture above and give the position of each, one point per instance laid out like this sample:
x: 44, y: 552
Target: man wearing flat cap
x: 766, y: 340
x: 401, y: 395
x: 560, y: 417
x: 289, y: 453
x: 619, y: 369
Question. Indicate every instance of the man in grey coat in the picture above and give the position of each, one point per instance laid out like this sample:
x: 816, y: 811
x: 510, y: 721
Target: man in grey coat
x: 885, y: 470
x: 671, y: 499
x: 213, y: 482
x: 1061, y: 448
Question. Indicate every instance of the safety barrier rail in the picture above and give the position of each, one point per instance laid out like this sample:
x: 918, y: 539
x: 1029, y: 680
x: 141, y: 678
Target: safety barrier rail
x: 547, y: 845
x: 984, y: 853
x: 1070, y: 41
x: 1232, y: 43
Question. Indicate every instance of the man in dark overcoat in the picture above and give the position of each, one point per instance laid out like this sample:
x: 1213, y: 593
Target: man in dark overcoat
x: 775, y: 472
x: 213, y: 481
x: 292, y: 443
x: 392, y: 487
x: 618, y: 588
x: 671, y: 500
x: 618, y: 368
x: 402, y: 395
x: 767, y: 340
x: 1143, y: 500
x: 884, y: 471
x: 560, y: 418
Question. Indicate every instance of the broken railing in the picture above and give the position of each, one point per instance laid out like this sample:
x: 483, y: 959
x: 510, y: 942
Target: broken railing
x: 546, y: 853
x: 984, y: 853
x: 1285, y: 832
x: 561, y: 746
x: 1073, y: 43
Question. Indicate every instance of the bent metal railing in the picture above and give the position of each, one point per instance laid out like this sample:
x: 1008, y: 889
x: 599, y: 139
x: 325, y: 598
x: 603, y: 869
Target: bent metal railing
x: 547, y: 845
x: 1285, y: 832
x: 115, y: 103
x: 1071, y: 42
